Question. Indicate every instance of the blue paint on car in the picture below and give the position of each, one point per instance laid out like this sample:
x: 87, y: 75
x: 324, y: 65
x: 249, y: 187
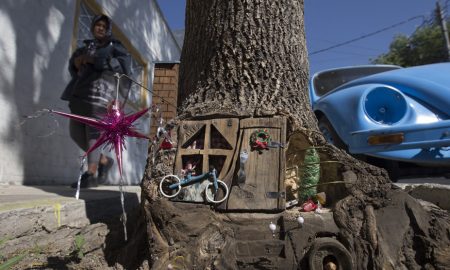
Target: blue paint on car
x: 386, y: 111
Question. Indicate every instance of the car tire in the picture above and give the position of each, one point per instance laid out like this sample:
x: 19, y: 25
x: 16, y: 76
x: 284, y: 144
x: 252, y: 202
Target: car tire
x: 330, y: 134
x: 329, y: 250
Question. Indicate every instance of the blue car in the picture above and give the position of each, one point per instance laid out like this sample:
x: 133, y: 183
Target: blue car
x: 385, y: 111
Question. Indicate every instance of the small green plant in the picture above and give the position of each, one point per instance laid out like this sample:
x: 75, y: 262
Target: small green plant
x: 16, y: 259
x: 13, y: 261
x: 4, y: 240
x: 310, y: 176
x: 79, y: 243
x: 36, y: 249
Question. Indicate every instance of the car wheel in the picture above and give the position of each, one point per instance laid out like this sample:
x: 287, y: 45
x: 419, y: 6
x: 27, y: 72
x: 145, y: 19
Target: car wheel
x: 328, y: 253
x: 330, y: 134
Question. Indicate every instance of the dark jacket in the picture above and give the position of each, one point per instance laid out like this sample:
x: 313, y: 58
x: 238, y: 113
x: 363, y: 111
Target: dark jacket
x: 95, y: 83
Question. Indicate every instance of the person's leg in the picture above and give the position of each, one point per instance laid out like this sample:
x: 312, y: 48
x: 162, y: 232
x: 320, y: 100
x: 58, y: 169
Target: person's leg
x: 103, y: 160
x: 85, y: 137
x: 104, y: 166
x: 93, y: 157
x: 77, y: 132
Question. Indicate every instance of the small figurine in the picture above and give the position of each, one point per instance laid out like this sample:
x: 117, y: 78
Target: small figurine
x: 189, y: 169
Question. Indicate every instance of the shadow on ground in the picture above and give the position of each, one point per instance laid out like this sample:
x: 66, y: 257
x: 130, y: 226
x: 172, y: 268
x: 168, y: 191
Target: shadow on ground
x: 105, y: 207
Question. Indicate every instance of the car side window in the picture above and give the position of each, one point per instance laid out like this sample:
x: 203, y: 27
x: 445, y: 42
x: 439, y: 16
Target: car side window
x: 328, y: 80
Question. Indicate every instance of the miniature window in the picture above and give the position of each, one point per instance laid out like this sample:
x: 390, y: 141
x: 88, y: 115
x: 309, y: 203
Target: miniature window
x: 192, y: 164
x: 216, y: 162
x: 197, y: 141
x: 218, y: 141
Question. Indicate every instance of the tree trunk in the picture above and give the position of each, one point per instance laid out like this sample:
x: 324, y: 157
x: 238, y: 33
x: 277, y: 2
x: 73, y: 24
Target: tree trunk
x: 245, y: 58
x: 248, y: 58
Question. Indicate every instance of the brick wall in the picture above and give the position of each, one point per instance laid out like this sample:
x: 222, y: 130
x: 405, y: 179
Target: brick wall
x: 165, y: 92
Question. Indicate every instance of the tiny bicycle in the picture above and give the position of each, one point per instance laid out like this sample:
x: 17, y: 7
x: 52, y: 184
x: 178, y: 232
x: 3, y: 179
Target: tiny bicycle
x: 170, y: 186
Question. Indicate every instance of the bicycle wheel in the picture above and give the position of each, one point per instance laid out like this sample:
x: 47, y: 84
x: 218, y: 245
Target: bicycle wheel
x: 219, y: 196
x: 164, y: 186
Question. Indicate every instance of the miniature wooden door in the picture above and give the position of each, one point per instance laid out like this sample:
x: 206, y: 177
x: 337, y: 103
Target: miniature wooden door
x: 203, y: 145
x: 262, y: 188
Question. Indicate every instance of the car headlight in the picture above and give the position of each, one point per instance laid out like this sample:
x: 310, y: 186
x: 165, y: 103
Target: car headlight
x: 385, y: 105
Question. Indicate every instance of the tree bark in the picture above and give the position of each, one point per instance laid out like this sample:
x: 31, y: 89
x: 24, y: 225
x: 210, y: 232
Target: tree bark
x: 245, y: 58
x: 248, y: 58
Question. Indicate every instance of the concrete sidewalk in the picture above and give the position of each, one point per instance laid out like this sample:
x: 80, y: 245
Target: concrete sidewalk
x: 24, y: 209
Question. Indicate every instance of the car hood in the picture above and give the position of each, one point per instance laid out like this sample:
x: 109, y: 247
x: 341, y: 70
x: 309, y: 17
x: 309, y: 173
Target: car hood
x: 428, y: 83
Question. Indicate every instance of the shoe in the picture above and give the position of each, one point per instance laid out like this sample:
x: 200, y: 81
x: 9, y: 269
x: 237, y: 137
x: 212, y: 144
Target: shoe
x: 87, y: 180
x: 103, y: 169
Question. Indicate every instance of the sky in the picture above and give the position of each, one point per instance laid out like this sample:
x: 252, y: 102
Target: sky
x: 331, y: 22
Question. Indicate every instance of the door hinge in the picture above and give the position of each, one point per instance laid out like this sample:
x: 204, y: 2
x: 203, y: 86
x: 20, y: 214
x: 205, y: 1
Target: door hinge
x: 276, y: 195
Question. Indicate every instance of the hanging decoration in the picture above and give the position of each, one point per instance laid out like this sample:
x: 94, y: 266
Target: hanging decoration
x: 163, y: 136
x: 162, y: 139
x: 272, y: 228
x: 260, y: 140
x: 300, y: 221
x: 167, y: 143
x: 243, y: 157
x: 114, y: 127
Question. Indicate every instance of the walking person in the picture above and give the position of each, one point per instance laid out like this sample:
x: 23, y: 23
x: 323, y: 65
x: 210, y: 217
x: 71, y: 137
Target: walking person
x: 92, y: 89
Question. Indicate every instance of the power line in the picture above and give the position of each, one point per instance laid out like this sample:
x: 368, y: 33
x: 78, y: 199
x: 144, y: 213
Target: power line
x: 340, y: 52
x: 354, y: 46
x: 367, y: 35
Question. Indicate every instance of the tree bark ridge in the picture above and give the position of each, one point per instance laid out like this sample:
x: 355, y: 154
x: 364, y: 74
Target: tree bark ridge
x: 254, y: 65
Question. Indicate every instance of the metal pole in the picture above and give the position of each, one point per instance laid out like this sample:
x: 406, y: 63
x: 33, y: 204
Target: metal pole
x: 443, y: 23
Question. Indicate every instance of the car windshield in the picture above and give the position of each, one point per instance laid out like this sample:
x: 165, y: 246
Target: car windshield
x: 326, y: 81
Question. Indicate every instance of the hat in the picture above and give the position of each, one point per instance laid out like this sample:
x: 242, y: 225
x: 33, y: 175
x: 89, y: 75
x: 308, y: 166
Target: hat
x: 105, y: 18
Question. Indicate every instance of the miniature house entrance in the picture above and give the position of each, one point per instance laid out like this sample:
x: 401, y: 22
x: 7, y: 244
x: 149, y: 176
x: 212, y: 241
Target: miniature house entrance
x: 257, y: 183
x: 262, y: 188
x: 203, y: 145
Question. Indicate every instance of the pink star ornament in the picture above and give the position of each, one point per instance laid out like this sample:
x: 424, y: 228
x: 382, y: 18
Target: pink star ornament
x: 114, y: 126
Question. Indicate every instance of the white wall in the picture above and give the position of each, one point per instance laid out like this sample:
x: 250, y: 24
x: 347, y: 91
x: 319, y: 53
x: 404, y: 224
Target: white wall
x: 35, y: 45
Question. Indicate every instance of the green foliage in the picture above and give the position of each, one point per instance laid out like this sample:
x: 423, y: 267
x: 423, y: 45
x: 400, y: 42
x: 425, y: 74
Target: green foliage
x: 425, y: 46
x: 13, y: 261
x: 310, y: 175
x: 79, y: 243
x: 36, y: 249
x: 16, y: 259
x: 4, y: 240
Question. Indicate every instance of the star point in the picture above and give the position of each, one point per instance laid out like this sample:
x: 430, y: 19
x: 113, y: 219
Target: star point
x: 114, y: 127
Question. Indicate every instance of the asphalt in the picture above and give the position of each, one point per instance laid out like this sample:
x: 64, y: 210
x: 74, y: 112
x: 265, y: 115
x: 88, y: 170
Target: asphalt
x: 27, y: 208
